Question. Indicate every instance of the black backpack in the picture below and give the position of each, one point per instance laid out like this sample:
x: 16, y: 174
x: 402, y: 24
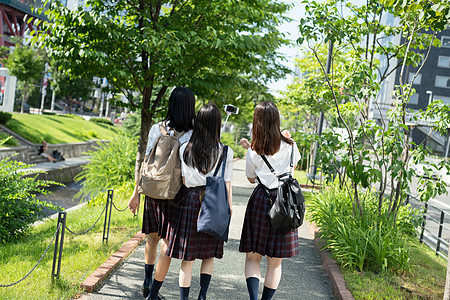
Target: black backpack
x: 288, y: 209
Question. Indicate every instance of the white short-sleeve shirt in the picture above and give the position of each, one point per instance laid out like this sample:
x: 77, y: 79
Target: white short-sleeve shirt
x: 155, y: 133
x: 280, y: 162
x: 193, y: 177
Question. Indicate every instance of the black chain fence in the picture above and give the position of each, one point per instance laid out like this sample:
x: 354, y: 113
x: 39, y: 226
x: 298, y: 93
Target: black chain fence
x: 58, y: 237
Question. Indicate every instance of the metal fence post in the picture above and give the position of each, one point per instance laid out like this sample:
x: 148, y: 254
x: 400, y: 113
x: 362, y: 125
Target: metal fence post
x: 109, y: 200
x: 59, y: 242
x: 424, y: 222
x: 441, y: 225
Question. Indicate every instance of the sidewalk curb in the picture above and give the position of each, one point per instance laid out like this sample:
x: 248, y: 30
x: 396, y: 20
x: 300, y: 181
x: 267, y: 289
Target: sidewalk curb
x: 90, y: 283
x: 335, y: 275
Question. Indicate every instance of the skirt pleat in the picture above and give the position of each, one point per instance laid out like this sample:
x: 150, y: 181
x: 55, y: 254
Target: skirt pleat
x: 159, y: 214
x: 257, y: 233
x: 185, y: 242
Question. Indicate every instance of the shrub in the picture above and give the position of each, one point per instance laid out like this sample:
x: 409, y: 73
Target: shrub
x: 376, y: 241
x: 4, y: 117
x: 112, y: 165
x: 19, y: 208
x: 132, y: 124
x: 8, y: 140
x: 102, y: 121
x: 228, y: 139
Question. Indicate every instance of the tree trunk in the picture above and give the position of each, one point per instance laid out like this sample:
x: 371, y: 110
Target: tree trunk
x: 69, y: 98
x: 25, y: 97
x: 145, y: 128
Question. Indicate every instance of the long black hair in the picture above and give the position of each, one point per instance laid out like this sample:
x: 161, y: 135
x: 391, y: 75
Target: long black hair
x: 204, y: 147
x: 181, y: 113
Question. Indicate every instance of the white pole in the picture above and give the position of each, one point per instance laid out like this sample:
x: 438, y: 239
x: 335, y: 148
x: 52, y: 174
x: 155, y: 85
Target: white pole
x: 44, y: 87
x: 52, y: 108
x: 223, y: 127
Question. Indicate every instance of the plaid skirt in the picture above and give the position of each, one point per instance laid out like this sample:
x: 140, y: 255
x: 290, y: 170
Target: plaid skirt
x: 159, y: 213
x: 186, y: 243
x: 257, y: 233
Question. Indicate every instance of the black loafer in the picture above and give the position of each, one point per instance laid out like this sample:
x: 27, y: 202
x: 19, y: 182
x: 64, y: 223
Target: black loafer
x: 145, y: 291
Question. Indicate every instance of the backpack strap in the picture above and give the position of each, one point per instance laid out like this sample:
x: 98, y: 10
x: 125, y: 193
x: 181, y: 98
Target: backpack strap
x: 291, y: 164
x: 222, y: 161
x: 163, y: 129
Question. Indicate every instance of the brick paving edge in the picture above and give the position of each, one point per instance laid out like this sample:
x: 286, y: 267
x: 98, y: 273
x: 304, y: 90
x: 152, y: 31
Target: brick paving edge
x: 90, y: 283
x: 335, y: 275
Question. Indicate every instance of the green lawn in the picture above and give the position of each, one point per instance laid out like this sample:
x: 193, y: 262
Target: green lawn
x: 424, y: 280
x: 57, y: 129
x: 82, y: 254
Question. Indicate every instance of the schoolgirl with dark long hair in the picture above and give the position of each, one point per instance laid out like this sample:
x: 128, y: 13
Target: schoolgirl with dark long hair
x: 199, y: 158
x: 258, y: 238
x: 158, y: 213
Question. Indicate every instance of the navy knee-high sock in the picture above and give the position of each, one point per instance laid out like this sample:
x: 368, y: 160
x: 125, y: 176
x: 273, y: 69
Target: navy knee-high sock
x: 148, y: 274
x: 154, y: 291
x: 253, y: 286
x: 184, y: 293
x: 205, y: 279
x: 267, y: 293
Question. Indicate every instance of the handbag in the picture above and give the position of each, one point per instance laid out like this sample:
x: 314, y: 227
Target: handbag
x: 215, y: 214
x: 288, y: 208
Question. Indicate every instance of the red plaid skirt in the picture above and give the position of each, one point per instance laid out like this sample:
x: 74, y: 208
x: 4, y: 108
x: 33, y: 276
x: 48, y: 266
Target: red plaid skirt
x: 185, y: 242
x: 259, y: 236
x: 159, y: 213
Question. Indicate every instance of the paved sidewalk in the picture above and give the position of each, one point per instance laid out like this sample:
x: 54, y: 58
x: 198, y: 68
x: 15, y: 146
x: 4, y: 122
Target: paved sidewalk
x: 303, y: 277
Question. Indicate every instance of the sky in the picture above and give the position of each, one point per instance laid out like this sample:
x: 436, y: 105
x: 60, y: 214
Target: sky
x: 291, y: 31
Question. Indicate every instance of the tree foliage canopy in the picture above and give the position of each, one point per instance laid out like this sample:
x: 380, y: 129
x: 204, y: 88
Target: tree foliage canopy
x: 149, y: 46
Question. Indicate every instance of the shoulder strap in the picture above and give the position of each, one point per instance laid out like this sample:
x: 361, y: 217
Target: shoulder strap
x: 268, y: 164
x: 162, y: 128
x: 222, y: 161
x: 291, y: 163
x: 292, y: 157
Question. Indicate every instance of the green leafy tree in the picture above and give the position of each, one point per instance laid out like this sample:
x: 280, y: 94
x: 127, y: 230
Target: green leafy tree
x: 27, y: 64
x: 375, y: 154
x: 149, y: 46
x: 72, y: 88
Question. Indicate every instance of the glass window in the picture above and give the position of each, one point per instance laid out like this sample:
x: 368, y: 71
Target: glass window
x: 414, y: 99
x: 442, y: 81
x: 418, y: 79
x: 444, y: 99
x: 444, y: 61
x: 445, y: 42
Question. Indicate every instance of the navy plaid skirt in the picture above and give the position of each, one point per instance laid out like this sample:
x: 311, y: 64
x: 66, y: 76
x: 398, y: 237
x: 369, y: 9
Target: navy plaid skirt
x: 185, y: 242
x: 159, y: 213
x: 257, y: 233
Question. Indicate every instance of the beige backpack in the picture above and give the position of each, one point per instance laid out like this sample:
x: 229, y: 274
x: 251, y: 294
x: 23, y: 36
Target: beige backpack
x: 161, y: 171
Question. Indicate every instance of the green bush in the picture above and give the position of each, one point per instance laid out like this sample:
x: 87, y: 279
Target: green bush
x: 19, y: 208
x: 112, y: 165
x: 4, y: 117
x: 228, y: 139
x: 132, y: 124
x: 8, y: 140
x: 102, y: 121
x: 374, y: 241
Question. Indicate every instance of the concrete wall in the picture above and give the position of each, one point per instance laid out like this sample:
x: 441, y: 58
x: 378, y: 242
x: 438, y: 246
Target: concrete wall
x: 73, y: 149
x: 22, y: 153
x: 68, y: 150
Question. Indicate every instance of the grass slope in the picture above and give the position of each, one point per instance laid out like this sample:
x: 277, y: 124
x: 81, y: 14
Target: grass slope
x: 57, y: 129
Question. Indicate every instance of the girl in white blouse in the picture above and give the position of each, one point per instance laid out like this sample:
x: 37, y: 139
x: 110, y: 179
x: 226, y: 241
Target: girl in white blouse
x: 158, y: 213
x: 199, y: 158
x: 258, y: 238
